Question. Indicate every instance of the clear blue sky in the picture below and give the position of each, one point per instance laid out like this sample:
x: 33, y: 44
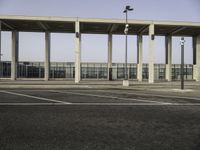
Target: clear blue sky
x: 94, y: 47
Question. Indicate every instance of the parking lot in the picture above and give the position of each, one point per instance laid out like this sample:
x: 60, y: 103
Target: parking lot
x: 87, y: 118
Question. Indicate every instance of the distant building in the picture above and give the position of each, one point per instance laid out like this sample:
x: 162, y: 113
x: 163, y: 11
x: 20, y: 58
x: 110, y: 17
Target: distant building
x: 109, y: 70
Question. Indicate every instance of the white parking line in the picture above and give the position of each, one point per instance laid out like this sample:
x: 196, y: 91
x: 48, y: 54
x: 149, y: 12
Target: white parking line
x: 137, y: 104
x: 110, y: 97
x: 180, y: 97
x: 31, y: 104
x: 35, y: 97
x: 99, y: 104
x: 58, y: 102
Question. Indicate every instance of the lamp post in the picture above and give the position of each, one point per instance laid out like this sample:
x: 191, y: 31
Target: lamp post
x: 127, y: 8
x: 182, y: 41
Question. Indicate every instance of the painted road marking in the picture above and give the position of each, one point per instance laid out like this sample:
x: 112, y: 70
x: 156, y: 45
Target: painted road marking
x: 147, y: 94
x: 35, y: 97
x: 179, y: 97
x: 139, y: 104
x: 110, y: 97
x: 99, y: 104
x: 30, y: 104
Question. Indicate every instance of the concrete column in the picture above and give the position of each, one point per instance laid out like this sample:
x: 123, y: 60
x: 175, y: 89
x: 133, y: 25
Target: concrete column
x: 151, y: 53
x: 77, y: 53
x: 0, y: 40
x: 110, y: 56
x: 194, y: 45
x: 168, y: 55
x: 139, y: 57
x: 197, y: 68
x: 47, y: 55
x: 15, y: 54
x: 1, y: 69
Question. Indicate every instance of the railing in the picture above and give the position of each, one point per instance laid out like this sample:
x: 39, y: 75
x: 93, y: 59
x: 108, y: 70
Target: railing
x: 30, y: 70
x: 176, y: 72
x: 90, y: 70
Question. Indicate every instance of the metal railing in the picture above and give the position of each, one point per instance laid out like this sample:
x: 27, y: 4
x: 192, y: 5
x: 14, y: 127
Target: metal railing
x: 91, y: 70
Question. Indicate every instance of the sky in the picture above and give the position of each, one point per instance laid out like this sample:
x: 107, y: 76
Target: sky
x: 94, y: 47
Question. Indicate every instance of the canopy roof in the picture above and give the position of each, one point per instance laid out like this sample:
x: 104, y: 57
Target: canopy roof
x: 96, y: 26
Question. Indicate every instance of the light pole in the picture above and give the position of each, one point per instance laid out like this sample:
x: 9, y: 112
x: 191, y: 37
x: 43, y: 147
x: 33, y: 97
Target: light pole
x: 182, y: 41
x: 127, y: 8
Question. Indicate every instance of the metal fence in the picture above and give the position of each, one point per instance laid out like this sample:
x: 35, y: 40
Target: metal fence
x: 176, y: 72
x: 30, y: 70
x: 62, y: 70
x: 159, y: 71
x: 5, y: 69
x: 91, y: 70
x: 94, y: 71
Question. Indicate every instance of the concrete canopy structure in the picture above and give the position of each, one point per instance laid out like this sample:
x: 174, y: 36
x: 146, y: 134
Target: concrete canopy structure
x: 17, y: 24
x: 97, y: 26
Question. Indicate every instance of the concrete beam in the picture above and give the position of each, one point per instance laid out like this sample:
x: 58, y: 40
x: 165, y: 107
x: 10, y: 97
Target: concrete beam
x: 110, y: 56
x: 7, y: 25
x: 15, y: 54
x: 151, y: 53
x: 43, y: 26
x: 47, y: 55
x: 139, y: 57
x: 114, y: 21
x: 121, y: 21
x: 177, y: 23
x: 143, y: 29
x: 168, y: 55
x: 113, y: 28
x: 38, y: 18
x: 77, y: 53
x: 176, y: 30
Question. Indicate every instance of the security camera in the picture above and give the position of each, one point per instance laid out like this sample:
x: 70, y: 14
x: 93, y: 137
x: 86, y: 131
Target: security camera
x: 182, y: 41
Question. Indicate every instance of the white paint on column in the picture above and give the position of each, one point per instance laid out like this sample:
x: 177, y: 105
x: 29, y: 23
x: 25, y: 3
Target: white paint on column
x: 0, y: 40
x: 151, y: 53
x: 1, y: 69
x: 109, y: 53
x: 15, y: 54
x: 139, y: 57
x: 77, y: 53
x: 194, y: 45
x: 198, y: 58
x: 110, y: 50
x: 47, y: 55
x: 168, y: 42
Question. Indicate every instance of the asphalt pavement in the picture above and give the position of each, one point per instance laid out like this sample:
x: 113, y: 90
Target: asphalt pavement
x: 88, y: 119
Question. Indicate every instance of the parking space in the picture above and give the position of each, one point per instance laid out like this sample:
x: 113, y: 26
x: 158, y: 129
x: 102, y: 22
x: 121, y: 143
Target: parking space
x: 97, y: 119
x: 135, y: 96
x: 10, y: 97
x: 74, y: 97
x: 88, y: 96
